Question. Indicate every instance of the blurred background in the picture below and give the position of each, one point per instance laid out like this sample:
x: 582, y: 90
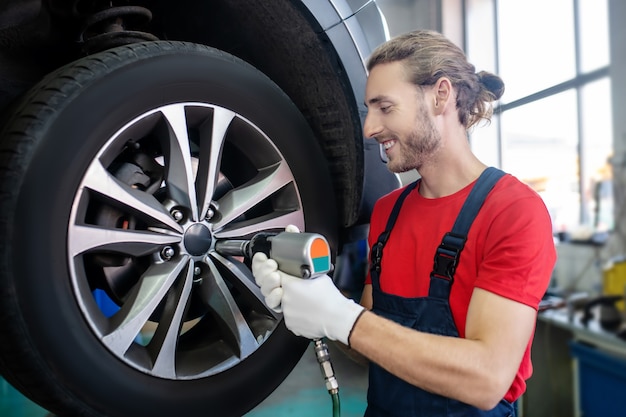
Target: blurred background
x: 558, y: 128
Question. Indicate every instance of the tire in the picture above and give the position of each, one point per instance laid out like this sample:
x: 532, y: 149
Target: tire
x: 114, y: 300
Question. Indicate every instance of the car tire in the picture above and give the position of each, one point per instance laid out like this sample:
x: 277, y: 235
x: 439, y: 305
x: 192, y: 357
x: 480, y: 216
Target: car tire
x: 94, y: 159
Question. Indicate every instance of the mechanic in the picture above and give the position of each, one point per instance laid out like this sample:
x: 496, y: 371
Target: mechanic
x: 442, y: 341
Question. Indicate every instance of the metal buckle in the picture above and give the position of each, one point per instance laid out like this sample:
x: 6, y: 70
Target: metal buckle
x: 447, y: 256
x: 377, y: 255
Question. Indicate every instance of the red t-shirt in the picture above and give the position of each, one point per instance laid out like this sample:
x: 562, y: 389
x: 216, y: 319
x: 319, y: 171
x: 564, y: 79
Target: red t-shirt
x: 509, y: 251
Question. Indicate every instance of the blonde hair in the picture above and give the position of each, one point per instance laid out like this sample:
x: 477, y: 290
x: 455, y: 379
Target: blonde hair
x: 427, y: 56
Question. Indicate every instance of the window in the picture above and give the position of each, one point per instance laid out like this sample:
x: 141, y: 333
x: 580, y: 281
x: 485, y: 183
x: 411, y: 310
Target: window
x: 539, y: 146
x: 552, y: 128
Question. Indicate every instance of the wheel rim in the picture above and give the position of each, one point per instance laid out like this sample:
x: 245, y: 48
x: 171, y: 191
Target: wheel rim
x: 142, y: 233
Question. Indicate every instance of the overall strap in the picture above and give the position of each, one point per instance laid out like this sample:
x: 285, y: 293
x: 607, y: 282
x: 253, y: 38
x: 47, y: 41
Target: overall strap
x: 449, y: 251
x: 377, y: 249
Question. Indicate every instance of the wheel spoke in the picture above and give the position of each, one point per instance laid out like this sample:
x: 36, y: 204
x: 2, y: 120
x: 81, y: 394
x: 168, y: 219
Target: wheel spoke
x: 163, y: 344
x: 217, y: 295
x: 274, y: 221
x: 144, y: 299
x: 130, y: 242
x: 268, y: 181
x: 179, y: 170
x: 244, y: 281
x: 211, y: 145
x: 142, y: 204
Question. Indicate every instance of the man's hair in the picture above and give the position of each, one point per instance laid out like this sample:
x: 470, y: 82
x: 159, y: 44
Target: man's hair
x: 427, y: 56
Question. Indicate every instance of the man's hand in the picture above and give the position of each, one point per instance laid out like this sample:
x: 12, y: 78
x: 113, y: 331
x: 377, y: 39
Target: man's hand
x: 265, y: 272
x: 267, y: 277
x: 315, y: 308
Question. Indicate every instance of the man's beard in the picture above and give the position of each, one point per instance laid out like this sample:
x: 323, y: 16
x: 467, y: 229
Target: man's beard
x: 418, y: 147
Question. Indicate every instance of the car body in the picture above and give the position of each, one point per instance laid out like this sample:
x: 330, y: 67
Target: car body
x: 137, y: 138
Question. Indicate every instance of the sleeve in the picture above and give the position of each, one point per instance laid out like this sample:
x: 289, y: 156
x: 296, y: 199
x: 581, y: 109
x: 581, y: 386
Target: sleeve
x: 519, y: 251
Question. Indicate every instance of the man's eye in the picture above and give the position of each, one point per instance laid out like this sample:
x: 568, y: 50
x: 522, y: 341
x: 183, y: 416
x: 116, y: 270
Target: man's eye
x: 385, y: 109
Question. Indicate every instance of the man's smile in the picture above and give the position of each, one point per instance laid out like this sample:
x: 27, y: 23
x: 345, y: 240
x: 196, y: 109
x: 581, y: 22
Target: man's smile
x: 388, y: 144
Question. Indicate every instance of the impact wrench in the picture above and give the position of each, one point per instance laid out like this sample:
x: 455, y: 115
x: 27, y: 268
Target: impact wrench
x: 304, y: 255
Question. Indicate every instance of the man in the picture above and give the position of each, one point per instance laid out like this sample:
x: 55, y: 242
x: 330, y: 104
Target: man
x: 452, y: 341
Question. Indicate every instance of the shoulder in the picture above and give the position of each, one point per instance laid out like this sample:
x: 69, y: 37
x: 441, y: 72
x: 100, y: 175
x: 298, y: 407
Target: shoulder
x: 512, y: 197
x: 514, y: 216
x: 515, y: 234
x: 511, y: 188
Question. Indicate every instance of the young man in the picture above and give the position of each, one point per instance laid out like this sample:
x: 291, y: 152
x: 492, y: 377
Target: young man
x: 450, y: 337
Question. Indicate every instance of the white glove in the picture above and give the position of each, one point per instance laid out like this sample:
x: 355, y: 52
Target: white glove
x: 315, y: 308
x: 265, y: 272
x: 267, y: 277
x: 292, y: 229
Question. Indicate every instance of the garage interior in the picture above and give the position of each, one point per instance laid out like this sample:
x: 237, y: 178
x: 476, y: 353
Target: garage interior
x: 558, y: 128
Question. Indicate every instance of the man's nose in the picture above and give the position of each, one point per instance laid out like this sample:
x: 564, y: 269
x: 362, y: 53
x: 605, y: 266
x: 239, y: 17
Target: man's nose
x: 371, y: 126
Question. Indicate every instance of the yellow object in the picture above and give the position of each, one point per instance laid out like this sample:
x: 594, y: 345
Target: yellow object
x: 614, y: 280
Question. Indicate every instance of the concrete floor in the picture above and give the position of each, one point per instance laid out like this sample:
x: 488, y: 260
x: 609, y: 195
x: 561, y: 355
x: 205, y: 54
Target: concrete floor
x: 302, y: 394
x: 13, y: 404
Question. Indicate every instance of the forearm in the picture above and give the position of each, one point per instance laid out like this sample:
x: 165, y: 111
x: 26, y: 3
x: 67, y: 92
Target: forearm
x: 351, y: 353
x: 466, y: 370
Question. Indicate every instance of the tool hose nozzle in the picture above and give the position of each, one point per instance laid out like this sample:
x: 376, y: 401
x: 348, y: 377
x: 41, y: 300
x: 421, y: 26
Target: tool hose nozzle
x: 323, y: 358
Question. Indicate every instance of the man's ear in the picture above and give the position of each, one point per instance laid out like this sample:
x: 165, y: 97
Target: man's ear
x: 443, y: 94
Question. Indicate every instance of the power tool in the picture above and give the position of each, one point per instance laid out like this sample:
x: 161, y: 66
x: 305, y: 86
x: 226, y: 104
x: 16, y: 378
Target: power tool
x: 305, y: 255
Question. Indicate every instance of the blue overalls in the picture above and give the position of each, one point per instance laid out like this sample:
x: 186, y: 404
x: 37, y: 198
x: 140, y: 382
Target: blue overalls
x: 388, y: 395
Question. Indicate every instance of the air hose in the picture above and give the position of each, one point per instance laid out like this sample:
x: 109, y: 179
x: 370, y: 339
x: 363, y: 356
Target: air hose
x: 294, y: 254
x: 336, y: 405
x: 323, y: 358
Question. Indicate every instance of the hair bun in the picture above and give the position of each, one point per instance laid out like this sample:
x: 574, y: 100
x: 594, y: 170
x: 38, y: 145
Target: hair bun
x: 492, y: 82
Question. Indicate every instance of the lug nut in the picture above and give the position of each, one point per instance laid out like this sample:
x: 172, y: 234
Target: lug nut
x: 167, y: 253
x: 211, y: 211
x: 197, y: 271
x: 177, y: 215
